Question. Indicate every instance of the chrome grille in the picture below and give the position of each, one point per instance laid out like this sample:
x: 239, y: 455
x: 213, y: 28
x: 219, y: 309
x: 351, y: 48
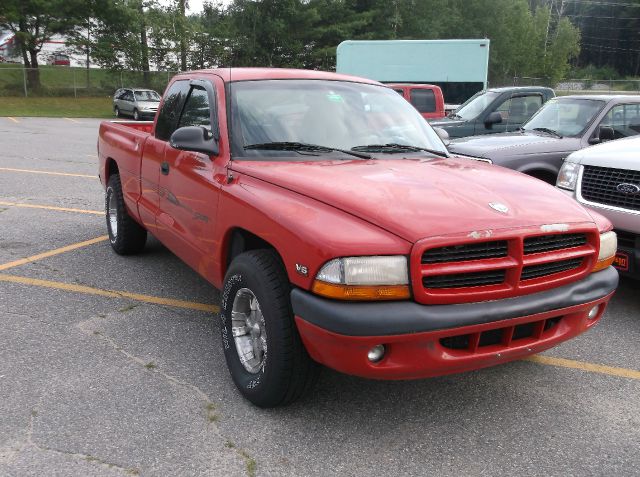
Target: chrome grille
x: 599, y: 185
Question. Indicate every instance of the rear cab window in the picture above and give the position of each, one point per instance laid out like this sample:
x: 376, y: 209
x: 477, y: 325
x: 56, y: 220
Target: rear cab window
x: 424, y: 100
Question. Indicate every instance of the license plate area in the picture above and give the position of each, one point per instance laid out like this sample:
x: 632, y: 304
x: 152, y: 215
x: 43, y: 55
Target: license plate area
x: 621, y: 261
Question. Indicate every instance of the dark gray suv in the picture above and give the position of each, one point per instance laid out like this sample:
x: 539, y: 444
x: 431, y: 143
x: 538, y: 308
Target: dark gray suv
x: 136, y: 102
x: 563, y: 125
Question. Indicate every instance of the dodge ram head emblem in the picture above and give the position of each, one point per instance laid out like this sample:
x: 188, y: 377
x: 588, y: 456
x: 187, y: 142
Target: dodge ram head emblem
x: 499, y: 207
x: 628, y: 188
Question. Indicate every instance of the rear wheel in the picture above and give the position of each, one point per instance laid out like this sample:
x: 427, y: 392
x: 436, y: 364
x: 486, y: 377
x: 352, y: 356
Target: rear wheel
x: 136, y: 115
x: 125, y: 234
x: 116, y: 110
x: 264, y: 352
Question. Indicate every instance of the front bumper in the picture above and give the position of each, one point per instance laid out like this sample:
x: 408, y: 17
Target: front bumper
x: 425, y: 341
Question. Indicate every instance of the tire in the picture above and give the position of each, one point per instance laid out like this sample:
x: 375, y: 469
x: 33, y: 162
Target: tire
x: 116, y: 110
x: 284, y: 372
x: 125, y: 234
x: 136, y: 115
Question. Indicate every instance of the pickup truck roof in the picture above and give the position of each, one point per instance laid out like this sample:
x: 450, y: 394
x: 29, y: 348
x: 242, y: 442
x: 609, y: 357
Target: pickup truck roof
x: 254, y: 74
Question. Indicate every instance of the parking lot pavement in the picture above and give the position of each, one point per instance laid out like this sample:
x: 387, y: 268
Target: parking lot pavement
x: 112, y: 365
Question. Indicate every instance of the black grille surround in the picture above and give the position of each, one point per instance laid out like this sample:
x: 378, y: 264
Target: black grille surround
x: 599, y: 185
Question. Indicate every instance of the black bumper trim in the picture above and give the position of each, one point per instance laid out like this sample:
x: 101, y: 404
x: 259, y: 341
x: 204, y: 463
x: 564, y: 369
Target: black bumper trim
x: 403, y: 317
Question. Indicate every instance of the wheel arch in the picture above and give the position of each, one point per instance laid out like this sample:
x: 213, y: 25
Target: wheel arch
x: 239, y: 240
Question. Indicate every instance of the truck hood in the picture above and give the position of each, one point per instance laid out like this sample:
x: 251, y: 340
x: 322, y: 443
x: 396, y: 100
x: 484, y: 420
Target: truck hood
x: 619, y: 154
x: 513, y: 144
x: 446, y: 122
x: 419, y: 198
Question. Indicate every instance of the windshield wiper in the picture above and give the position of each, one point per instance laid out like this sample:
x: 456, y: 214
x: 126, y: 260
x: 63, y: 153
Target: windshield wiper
x: 549, y: 131
x: 391, y: 148
x: 302, y: 147
x: 454, y: 116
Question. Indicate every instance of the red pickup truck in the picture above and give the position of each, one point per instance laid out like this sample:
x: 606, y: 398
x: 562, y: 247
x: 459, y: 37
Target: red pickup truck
x: 426, y: 98
x: 340, y: 231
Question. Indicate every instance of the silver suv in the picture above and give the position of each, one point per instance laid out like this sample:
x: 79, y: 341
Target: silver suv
x: 606, y: 178
x: 136, y: 102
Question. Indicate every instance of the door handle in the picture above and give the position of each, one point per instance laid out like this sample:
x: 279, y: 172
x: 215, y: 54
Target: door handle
x: 164, y: 168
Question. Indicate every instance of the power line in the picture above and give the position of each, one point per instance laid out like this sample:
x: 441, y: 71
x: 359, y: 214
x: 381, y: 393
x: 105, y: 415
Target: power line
x: 609, y: 4
x: 601, y: 47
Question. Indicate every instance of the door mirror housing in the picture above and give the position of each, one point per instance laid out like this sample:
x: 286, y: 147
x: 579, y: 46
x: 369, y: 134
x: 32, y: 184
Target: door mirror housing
x: 196, y: 139
x: 603, y: 133
x: 443, y: 134
x: 493, y: 118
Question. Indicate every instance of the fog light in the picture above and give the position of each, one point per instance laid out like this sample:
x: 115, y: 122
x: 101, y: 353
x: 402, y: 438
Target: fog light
x: 594, y: 312
x: 376, y: 353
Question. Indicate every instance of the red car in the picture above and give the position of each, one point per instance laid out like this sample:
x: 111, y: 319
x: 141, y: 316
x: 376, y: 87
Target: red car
x: 340, y: 231
x: 426, y: 98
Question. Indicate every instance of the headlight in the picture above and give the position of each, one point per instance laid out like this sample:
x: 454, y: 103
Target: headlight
x: 568, y: 175
x: 364, y: 278
x: 608, y: 247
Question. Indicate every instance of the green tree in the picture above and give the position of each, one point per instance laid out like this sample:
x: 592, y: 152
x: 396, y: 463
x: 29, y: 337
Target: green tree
x: 34, y: 22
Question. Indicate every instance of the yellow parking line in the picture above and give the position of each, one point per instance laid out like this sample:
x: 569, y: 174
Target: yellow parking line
x: 49, y: 207
x: 583, y: 366
x: 33, y: 171
x: 51, y: 253
x: 110, y: 293
x: 72, y: 120
x: 12, y: 119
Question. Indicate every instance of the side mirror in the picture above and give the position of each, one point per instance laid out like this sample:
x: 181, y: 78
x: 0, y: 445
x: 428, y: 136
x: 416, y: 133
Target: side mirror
x: 493, y: 118
x: 603, y: 133
x: 194, y: 138
x: 444, y: 135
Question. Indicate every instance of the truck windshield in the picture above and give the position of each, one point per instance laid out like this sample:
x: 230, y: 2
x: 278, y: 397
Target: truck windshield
x: 564, y: 116
x: 475, y: 105
x: 307, y: 118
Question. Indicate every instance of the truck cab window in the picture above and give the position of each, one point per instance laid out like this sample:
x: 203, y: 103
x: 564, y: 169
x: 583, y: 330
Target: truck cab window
x: 168, y: 115
x: 197, y: 111
x: 424, y: 100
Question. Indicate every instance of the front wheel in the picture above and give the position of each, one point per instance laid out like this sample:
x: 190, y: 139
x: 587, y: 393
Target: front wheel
x: 136, y: 115
x: 125, y: 234
x: 116, y: 110
x: 264, y: 352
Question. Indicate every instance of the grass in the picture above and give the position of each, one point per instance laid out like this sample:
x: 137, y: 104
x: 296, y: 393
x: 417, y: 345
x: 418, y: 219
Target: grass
x: 54, y: 107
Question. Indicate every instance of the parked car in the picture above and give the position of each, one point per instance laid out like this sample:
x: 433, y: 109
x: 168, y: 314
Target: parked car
x: 136, y: 102
x: 494, y: 110
x: 563, y: 125
x: 606, y: 178
x: 426, y: 98
x: 58, y: 59
x: 341, y: 232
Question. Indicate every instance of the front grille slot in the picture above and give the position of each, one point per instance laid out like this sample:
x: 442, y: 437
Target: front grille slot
x: 461, y: 280
x: 544, y: 269
x: 503, y: 337
x: 548, y: 243
x: 470, y: 251
x: 599, y: 185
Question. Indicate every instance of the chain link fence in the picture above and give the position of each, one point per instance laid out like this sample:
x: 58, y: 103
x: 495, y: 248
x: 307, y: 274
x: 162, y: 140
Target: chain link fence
x: 581, y: 86
x: 76, y: 82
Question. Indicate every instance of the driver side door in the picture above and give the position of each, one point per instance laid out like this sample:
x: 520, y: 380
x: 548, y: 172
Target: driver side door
x: 189, y: 193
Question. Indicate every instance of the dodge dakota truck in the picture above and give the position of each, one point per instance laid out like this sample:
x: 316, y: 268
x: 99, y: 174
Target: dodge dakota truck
x: 341, y: 232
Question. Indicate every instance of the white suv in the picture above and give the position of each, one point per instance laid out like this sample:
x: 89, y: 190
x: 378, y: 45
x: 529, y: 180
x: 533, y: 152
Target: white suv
x: 606, y: 178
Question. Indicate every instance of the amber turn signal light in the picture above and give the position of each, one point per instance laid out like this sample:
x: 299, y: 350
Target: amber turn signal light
x: 361, y: 292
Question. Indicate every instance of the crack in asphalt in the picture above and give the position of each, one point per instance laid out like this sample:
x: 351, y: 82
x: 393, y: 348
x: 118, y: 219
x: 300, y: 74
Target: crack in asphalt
x: 210, y: 407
